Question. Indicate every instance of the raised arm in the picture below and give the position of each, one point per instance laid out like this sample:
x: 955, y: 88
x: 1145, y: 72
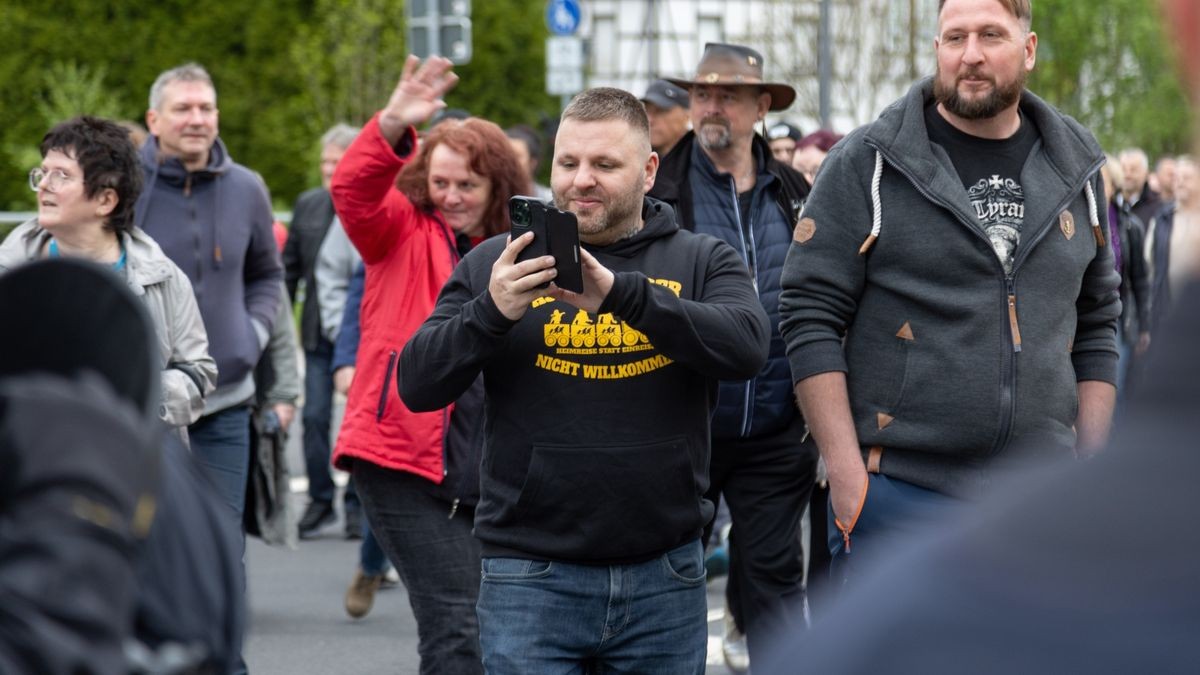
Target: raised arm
x: 372, y: 211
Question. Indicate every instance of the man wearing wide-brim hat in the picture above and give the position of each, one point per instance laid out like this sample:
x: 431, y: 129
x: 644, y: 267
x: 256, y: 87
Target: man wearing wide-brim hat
x: 723, y: 181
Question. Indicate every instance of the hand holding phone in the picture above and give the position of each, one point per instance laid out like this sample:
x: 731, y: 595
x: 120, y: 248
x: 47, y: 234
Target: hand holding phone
x: 555, y: 233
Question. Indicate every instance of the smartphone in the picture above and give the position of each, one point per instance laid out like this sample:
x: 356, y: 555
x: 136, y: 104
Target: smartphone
x: 555, y: 233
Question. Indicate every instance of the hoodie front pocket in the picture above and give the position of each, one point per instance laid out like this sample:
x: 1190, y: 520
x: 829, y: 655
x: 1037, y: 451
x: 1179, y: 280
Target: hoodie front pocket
x: 387, y: 384
x: 611, y: 501
x: 896, y: 374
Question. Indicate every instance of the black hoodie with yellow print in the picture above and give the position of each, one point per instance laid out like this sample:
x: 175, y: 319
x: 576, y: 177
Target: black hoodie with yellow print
x: 596, y: 425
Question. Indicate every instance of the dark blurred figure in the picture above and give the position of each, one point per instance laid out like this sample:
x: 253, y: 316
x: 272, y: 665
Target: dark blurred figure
x: 107, y: 544
x: 1174, y: 240
x: 667, y: 109
x: 1136, y: 194
x: 77, y: 495
x: 1163, y: 179
x: 1128, y: 235
x: 267, y: 511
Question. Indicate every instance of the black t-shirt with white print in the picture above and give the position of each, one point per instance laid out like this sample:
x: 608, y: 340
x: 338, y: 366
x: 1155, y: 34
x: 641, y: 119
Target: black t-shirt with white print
x: 990, y: 171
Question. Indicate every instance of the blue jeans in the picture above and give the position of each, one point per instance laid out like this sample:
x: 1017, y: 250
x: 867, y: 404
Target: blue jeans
x: 371, y: 557
x: 318, y: 408
x: 221, y: 445
x: 437, y: 559
x: 894, y: 512
x: 552, y: 617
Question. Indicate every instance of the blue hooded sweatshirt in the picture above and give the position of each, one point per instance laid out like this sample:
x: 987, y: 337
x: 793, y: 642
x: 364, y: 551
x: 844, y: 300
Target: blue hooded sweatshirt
x: 215, y: 224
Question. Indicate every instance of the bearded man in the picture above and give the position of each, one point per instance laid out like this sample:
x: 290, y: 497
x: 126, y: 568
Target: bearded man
x: 595, y: 461
x: 949, y: 300
x: 723, y: 181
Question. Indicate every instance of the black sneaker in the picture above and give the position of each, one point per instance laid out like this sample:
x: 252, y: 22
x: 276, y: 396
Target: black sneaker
x: 354, y: 523
x: 316, y: 516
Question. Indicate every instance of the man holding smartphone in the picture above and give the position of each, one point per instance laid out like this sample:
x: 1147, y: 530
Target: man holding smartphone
x: 597, y: 410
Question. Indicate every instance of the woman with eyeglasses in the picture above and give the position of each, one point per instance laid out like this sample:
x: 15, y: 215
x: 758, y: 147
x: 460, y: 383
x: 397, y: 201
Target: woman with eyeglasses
x: 86, y: 187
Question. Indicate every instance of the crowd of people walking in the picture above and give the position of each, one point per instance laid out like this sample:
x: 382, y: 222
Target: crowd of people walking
x: 802, y: 355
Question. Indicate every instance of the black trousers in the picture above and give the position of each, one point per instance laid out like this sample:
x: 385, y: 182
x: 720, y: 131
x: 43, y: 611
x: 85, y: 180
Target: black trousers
x: 438, y: 560
x: 767, y: 482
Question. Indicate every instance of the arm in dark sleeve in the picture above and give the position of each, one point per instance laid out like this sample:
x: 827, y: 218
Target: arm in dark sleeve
x: 447, y: 352
x: 345, y: 350
x: 282, y: 349
x: 293, y: 265
x: 824, y: 276
x: 724, y: 334
x: 1139, y: 273
x: 1098, y: 308
x: 263, y: 271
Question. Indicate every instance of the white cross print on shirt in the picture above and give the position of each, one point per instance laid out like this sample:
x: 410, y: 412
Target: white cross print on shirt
x: 995, y: 182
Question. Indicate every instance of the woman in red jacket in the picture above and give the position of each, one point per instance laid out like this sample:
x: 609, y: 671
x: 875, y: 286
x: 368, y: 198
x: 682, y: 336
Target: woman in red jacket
x: 412, y: 208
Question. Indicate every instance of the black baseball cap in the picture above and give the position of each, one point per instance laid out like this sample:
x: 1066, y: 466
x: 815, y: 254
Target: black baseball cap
x: 784, y: 130
x: 666, y: 95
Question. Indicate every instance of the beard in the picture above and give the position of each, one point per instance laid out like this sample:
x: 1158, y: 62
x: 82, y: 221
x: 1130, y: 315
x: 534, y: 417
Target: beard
x: 615, y: 215
x: 715, y: 133
x: 987, y: 106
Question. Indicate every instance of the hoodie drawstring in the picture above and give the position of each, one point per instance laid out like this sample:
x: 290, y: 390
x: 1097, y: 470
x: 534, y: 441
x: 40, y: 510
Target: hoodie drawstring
x: 1093, y: 217
x: 876, y: 206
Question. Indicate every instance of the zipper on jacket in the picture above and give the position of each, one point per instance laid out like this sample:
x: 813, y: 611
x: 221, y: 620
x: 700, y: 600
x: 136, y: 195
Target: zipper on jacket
x: 752, y: 265
x: 1009, y: 380
x: 387, y: 381
x: 446, y: 445
x: 453, y: 509
x: 1013, y: 326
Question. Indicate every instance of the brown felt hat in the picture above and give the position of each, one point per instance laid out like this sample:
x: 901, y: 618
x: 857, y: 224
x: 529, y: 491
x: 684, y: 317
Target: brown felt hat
x: 725, y: 65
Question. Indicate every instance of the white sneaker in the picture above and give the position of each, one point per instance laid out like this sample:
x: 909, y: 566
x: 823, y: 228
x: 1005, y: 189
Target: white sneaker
x: 391, y: 578
x: 733, y: 647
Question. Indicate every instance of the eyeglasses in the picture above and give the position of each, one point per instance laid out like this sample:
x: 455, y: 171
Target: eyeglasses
x: 55, y: 180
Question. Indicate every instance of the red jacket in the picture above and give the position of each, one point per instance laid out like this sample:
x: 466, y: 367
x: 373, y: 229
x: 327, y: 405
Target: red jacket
x: 409, y: 256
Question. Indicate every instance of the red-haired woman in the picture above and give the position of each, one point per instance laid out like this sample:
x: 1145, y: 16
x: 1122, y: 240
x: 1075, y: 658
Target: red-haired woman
x: 412, y: 209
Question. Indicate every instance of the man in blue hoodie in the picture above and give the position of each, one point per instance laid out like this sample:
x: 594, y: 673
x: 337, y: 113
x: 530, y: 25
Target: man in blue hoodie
x: 213, y: 218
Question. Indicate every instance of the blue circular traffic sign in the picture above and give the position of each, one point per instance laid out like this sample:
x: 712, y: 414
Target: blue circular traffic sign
x: 563, y: 16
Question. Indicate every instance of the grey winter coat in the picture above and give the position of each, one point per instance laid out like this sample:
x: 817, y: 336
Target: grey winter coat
x: 188, y: 372
x: 950, y: 363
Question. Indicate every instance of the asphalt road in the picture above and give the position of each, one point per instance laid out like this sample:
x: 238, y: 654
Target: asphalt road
x: 298, y: 624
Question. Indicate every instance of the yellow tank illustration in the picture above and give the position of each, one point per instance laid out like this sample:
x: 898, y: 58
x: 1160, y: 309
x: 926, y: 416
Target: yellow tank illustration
x: 583, y: 331
x: 632, y: 336
x: 557, y: 333
x: 608, y: 330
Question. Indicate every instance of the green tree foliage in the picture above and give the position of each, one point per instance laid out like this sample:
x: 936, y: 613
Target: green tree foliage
x: 285, y: 71
x: 1109, y: 65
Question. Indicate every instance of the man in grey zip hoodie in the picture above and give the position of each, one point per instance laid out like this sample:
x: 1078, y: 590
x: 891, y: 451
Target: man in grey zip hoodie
x: 949, y: 299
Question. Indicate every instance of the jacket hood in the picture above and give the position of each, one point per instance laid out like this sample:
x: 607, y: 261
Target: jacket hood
x: 173, y: 171
x: 658, y: 220
x: 900, y: 135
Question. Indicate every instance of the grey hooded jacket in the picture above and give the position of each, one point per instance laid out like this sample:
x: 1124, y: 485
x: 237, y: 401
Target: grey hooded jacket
x: 951, y: 364
x: 188, y: 372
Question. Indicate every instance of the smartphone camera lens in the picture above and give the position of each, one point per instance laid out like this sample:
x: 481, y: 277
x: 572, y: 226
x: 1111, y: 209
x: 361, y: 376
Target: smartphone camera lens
x: 520, y: 213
